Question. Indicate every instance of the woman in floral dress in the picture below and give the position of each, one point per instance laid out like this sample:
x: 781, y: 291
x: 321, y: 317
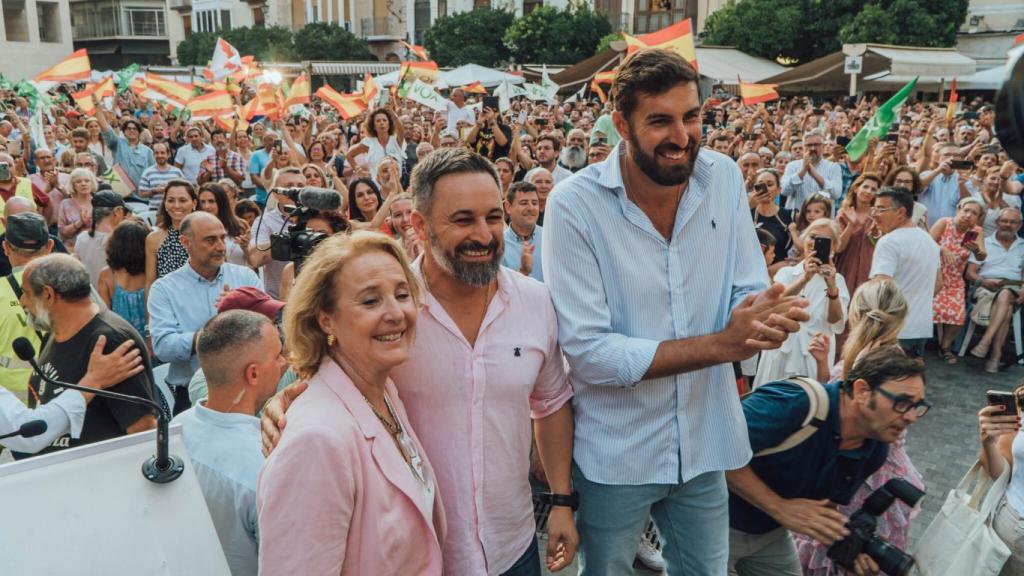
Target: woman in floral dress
x: 949, y: 306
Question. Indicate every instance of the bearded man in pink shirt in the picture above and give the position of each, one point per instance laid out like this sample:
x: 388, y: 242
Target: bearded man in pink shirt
x: 486, y: 362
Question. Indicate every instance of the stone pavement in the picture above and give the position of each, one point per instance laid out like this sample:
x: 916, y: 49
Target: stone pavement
x: 944, y: 444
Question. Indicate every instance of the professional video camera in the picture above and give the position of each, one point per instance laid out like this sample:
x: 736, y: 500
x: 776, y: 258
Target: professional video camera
x: 863, y: 525
x: 1009, y: 121
x: 295, y: 243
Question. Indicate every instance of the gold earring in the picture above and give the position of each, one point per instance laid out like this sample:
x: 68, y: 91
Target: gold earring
x: 331, y: 340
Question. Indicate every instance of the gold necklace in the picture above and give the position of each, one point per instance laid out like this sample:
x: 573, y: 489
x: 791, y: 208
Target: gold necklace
x: 392, y: 428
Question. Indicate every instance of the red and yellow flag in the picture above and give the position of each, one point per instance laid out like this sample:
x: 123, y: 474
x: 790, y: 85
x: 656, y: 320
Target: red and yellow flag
x: 212, y: 104
x: 757, y: 93
x: 348, y: 105
x: 105, y: 88
x: 418, y: 51
x: 475, y: 88
x: 233, y: 122
x: 951, y: 107
x: 299, y: 92
x: 84, y: 99
x: 677, y: 38
x: 73, y: 68
x: 370, y: 90
x: 1019, y: 39
x: 606, y: 77
x: 424, y: 71
x: 271, y: 102
x: 84, y: 102
x: 174, y: 92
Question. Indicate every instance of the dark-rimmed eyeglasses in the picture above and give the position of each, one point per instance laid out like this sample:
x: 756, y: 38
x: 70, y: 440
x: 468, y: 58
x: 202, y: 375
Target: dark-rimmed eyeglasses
x: 901, y: 403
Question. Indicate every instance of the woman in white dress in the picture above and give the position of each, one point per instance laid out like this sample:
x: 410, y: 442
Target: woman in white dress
x: 385, y: 137
x: 825, y: 290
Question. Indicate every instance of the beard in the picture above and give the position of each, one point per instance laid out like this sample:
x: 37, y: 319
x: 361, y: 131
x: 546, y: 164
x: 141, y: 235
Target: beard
x: 1005, y: 235
x: 573, y: 157
x: 39, y: 319
x: 664, y: 176
x: 477, y: 274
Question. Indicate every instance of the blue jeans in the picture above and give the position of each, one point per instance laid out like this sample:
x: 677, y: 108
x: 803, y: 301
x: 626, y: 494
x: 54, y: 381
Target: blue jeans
x: 528, y: 564
x: 692, y: 519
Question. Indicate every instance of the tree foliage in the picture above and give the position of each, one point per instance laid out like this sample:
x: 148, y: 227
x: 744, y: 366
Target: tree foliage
x: 802, y: 30
x: 606, y: 42
x: 318, y: 41
x: 472, y: 37
x: 552, y: 36
x: 323, y: 41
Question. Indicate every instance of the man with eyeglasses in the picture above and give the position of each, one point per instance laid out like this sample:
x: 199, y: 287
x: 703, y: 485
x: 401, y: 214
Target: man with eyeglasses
x: 812, y: 173
x: 908, y: 256
x: 127, y: 147
x: 796, y: 488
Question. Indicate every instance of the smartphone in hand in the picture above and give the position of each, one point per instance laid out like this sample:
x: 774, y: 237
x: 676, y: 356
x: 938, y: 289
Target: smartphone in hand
x: 823, y: 249
x: 1007, y: 399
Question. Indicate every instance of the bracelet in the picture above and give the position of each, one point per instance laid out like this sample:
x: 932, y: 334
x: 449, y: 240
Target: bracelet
x: 830, y: 296
x: 571, y: 501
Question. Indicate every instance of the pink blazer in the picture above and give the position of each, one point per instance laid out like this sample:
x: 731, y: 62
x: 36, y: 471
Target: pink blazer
x: 336, y: 496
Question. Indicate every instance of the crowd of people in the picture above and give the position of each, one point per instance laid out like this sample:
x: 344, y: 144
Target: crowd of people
x: 631, y: 308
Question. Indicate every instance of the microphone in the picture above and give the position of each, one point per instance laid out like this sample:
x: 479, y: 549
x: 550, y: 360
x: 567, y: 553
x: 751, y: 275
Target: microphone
x: 161, y: 468
x: 28, y: 429
x: 320, y: 199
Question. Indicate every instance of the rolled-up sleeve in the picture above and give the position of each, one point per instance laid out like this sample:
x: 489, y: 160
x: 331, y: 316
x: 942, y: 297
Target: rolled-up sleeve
x: 64, y: 414
x: 596, y: 353
x: 552, y: 389
x: 170, y: 342
x: 750, y: 272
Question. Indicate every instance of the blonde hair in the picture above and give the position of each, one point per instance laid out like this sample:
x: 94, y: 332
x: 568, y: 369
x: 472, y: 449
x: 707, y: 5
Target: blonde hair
x: 878, y: 312
x: 314, y: 292
x: 827, y: 223
x: 83, y: 174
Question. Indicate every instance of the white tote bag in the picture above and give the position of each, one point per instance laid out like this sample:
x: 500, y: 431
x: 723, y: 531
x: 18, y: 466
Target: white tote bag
x: 961, y: 540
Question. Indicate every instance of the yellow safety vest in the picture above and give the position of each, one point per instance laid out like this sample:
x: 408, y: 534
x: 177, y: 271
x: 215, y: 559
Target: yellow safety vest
x: 23, y: 189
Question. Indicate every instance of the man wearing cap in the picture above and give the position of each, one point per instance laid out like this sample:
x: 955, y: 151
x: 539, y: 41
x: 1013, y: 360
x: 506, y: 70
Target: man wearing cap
x: 25, y: 239
x: 254, y: 300
x: 133, y: 156
x: 108, y: 210
x: 182, y: 301
x: 240, y: 352
x: 19, y: 205
x: 190, y: 158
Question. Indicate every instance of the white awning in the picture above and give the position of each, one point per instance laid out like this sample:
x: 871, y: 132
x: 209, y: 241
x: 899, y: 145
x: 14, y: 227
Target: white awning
x: 990, y: 79
x: 723, y: 64
x: 469, y: 73
x: 352, y: 68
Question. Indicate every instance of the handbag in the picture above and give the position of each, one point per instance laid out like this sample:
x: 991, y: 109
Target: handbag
x: 961, y: 540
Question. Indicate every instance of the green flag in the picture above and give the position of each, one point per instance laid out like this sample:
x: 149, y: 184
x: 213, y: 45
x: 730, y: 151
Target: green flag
x: 125, y: 76
x: 878, y: 125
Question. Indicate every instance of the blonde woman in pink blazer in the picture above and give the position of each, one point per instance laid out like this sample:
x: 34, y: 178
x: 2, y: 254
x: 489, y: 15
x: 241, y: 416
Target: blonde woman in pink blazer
x: 349, y: 490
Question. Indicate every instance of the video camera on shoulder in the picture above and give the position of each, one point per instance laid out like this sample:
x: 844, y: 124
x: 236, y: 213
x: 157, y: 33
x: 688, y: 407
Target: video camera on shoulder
x: 298, y: 242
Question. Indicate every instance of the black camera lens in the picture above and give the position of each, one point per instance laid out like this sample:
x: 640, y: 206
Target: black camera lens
x: 890, y: 560
x: 1009, y: 121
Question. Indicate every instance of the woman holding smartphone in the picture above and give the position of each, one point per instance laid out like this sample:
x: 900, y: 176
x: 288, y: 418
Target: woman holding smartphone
x: 1001, y: 447
x: 958, y: 238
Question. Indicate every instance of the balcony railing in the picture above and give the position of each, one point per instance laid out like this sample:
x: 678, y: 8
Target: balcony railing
x: 180, y: 5
x: 109, y: 19
x: 381, y: 27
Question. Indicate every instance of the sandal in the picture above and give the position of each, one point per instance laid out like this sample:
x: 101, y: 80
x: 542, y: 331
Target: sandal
x: 980, y: 352
x: 948, y: 356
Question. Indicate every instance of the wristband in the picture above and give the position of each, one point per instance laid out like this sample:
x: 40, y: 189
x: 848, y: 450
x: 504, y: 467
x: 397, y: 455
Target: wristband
x: 571, y: 501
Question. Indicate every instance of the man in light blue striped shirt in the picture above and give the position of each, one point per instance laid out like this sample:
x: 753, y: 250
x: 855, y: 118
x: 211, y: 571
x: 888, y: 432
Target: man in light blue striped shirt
x: 658, y: 281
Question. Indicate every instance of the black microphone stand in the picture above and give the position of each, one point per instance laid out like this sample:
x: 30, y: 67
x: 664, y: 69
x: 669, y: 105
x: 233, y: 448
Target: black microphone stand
x: 160, y: 468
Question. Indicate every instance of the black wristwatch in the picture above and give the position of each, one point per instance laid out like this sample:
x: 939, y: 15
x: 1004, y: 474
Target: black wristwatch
x: 571, y: 501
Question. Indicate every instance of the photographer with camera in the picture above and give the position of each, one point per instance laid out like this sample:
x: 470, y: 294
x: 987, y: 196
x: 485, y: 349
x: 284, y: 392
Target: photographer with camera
x: 814, y: 445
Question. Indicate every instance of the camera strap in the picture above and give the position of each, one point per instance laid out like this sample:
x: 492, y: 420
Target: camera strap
x: 817, y: 414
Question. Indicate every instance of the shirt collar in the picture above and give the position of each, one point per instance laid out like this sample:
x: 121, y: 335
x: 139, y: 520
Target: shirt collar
x: 610, y: 170
x: 224, y: 419
x: 429, y: 301
x: 192, y: 274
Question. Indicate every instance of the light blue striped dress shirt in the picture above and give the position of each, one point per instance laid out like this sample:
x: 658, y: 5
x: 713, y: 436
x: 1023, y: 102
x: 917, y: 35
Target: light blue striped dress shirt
x: 619, y: 289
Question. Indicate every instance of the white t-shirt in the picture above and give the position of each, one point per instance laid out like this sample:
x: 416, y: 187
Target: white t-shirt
x: 911, y: 257
x: 455, y: 114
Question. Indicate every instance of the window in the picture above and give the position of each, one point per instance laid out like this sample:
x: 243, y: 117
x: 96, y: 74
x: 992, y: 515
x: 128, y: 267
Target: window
x: 652, y: 15
x: 15, y: 21
x: 481, y: 4
x: 145, y: 21
x: 421, y: 20
x: 531, y: 5
x: 186, y: 25
x: 225, y: 20
x: 95, y: 20
x: 442, y: 8
x: 48, y: 14
x: 258, y: 19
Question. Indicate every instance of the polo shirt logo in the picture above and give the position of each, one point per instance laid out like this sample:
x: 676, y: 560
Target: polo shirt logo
x: 517, y: 351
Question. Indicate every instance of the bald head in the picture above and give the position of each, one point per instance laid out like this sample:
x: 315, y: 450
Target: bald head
x: 541, y: 173
x: 17, y: 205
x: 197, y: 224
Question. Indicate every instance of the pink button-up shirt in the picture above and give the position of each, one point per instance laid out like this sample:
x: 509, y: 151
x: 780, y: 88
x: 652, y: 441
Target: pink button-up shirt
x: 471, y: 407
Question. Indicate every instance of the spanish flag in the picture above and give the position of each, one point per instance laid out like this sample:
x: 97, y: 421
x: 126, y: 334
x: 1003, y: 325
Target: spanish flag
x: 174, y: 92
x: 600, y: 78
x: 348, y: 105
x: 104, y: 88
x: 84, y: 101
x: 370, y: 90
x: 951, y: 108
x: 756, y: 93
x: 299, y: 92
x: 678, y: 38
x: 232, y: 122
x: 212, y: 104
x: 271, y: 103
x: 475, y: 88
x: 73, y: 68
x: 418, y: 51
x: 424, y: 71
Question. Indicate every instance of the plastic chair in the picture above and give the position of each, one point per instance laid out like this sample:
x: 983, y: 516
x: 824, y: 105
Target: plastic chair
x: 1018, y: 345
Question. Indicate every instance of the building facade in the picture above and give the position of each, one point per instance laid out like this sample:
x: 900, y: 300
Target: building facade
x: 118, y: 33
x: 989, y: 30
x: 33, y: 36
